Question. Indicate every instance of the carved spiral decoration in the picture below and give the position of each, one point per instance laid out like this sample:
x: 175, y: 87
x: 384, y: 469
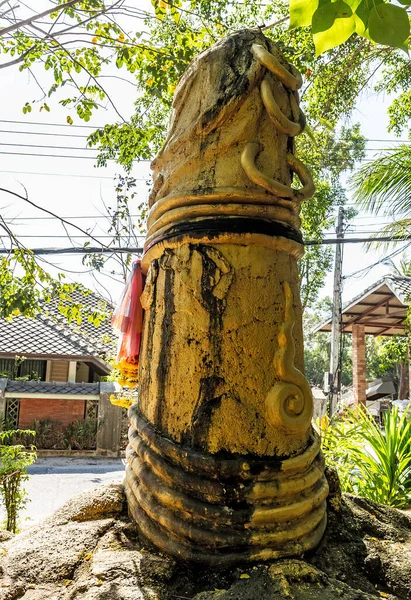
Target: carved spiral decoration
x: 289, y: 403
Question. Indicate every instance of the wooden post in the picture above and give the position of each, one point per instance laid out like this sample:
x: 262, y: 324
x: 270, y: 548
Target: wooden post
x: 359, y: 364
x: 109, y: 422
x: 3, y: 385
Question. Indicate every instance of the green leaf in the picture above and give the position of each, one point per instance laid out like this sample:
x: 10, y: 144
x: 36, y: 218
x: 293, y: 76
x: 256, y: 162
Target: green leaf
x: 362, y: 15
x: 301, y: 12
x: 353, y: 4
x: 332, y: 25
x: 389, y: 25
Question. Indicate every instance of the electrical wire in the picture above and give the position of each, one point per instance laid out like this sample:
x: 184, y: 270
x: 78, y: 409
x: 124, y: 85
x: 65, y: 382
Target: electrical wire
x: 137, y: 250
x: 363, y: 272
x: 73, y: 175
x: 84, y: 137
x: 49, y: 124
x: 68, y: 156
x: 71, y: 217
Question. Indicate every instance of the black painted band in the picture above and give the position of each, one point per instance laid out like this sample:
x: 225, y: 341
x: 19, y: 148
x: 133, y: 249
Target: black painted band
x: 214, y: 226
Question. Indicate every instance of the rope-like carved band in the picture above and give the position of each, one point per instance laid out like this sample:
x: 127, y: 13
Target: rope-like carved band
x: 222, y: 511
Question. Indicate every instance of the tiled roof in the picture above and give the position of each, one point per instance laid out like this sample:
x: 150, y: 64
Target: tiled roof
x: 51, y: 387
x: 381, y: 308
x: 99, y: 337
x: 401, y: 286
x: 50, y: 333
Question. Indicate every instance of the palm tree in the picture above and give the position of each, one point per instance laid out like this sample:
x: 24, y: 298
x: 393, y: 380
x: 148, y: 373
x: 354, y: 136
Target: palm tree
x: 383, y: 187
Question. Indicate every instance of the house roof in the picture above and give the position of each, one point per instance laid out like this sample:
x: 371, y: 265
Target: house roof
x: 50, y: 334
x: 381, y: 308
x: 47, y: 387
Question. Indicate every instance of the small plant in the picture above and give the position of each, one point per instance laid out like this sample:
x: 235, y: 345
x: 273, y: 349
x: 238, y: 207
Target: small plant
x: 81, y: 435
x: 15, y: 459
x: 371, y: 462
x: 49, y: 434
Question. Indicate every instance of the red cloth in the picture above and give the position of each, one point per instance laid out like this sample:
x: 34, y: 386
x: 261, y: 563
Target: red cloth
x: 127, y: 319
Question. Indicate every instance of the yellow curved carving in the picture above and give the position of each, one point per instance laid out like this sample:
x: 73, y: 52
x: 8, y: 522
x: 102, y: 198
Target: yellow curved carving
x: 304, y: 175
x: 244, y: 196
x: 289, y: 403
x: 276, y: 115
x: 291, y: 81
x: 271, y: 185
x: 265, y: 211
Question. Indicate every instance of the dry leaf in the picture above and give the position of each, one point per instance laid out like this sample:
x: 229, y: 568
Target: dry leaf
x: 244, y: 576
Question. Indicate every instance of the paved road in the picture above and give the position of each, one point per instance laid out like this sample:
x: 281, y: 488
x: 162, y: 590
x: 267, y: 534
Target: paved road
x: 54, y: 480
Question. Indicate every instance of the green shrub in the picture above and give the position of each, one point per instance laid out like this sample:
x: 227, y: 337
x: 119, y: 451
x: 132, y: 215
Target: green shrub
x: 81, y: 435
x: 49, y: 434
x: 15, y: 459
x: 371, y: 461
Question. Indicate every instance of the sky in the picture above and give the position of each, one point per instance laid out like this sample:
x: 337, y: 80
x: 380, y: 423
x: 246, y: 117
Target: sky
x: 54, y: 165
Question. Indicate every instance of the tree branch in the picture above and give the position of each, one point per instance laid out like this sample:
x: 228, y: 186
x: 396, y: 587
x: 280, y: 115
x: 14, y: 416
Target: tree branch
x: 37, y: 16
x: 49, y: 212
x: 93, y: 77
x: 17, y: 60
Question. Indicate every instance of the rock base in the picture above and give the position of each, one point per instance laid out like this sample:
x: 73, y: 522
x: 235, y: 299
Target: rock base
x: 90, y: 550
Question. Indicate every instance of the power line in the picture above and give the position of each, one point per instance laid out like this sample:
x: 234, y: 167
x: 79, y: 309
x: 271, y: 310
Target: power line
x: 67, y: 218
x: 360, y: 240
x: 137, y: 250
x: 50, y: 124
x: 72, y: 175
x: 90, y: 250
x: 378, y: 262
x: 46, y: 146
x: 392, y: 141
x: 64, y: 237
x: 67, y: 156
x: 69, y: 135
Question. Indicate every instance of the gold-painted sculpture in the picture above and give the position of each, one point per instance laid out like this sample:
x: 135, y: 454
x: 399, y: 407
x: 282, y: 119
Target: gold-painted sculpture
x: 223, y: 464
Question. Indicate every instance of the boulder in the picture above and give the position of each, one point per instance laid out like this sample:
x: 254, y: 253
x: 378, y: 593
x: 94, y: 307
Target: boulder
x: 90, y: 550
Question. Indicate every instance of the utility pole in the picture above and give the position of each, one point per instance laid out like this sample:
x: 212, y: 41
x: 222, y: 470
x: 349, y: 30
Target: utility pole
x: 335, y: 376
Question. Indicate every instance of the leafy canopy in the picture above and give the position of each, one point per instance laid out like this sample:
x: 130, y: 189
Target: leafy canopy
x: 79, y: 42
x: 333, y: 22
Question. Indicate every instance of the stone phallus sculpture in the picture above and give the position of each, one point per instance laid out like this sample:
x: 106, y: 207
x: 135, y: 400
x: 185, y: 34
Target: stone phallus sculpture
x: 223, y: 464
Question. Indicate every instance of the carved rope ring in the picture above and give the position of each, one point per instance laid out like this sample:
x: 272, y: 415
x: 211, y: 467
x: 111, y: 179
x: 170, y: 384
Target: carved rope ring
x: 291, y: 81
x: 281, y: 122
x: 272, y: 185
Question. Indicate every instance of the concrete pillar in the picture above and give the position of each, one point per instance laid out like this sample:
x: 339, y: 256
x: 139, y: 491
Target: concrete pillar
x: 48, y: 371
x: 109, y: 421
x: 3, y: 385
x: 72, y: 371
x: 359, y: 364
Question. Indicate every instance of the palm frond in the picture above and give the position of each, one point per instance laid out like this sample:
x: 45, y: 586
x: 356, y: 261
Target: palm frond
x: 383, y: 186
x: 397, y: 230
